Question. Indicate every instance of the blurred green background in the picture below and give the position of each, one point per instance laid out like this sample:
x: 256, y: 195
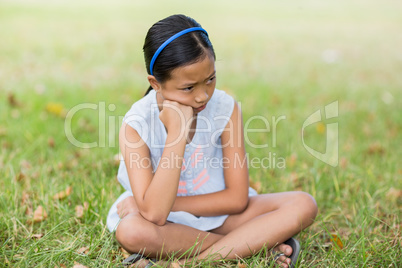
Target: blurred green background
x: 282, y: 58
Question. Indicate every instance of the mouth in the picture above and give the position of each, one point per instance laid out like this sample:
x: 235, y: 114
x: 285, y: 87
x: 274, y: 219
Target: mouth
x: 199, y: 109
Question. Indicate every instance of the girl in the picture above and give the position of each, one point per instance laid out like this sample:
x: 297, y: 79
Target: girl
x: 184, y: 170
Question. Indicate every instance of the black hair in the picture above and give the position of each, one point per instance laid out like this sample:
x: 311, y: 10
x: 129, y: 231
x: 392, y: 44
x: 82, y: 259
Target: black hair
x: 186, y: 49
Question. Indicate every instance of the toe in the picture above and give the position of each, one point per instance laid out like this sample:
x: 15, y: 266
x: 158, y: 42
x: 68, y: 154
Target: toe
x: 285, y: 249
x: 283, y: 260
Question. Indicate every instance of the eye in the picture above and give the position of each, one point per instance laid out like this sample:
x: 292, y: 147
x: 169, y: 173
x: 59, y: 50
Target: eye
x: 187, y: 88
x: 210, y: 80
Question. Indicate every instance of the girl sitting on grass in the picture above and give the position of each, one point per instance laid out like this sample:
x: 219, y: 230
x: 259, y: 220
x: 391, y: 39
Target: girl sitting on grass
x: 185, y: 170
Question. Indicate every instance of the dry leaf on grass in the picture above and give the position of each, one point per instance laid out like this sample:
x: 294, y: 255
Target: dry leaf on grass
x: 124, y: 253
x: 37, y: 236
x: 25, y: 164
x: 291, y: 161
x: 73, y: 163
x: 60, y: 165
x: 320, y: 128
x: 12, y: 101
x: 343, y: 163
x: 241, y: 265
x: 21, y: 176
x: 294, y: 178
x: 337, y: 241
x: 39, y: 215
x: 79, y: 265
x: 394, y: 194
x: 56, y: 109
x: 50, y: 142
x: 60, y: 266
x: 79, y: 211
x: 63, y: 194
x: 375, y: 148
x: 83, y: 250
x: 25, y: 199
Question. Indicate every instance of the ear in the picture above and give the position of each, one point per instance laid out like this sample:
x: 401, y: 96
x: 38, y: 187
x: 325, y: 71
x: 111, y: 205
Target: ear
x: 154, y: 83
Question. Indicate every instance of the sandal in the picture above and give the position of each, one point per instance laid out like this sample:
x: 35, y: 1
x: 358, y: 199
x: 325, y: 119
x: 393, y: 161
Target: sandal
x: 296, y: 250
x: 136, y: 257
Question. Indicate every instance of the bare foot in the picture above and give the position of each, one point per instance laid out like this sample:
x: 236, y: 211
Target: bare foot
x: 144, y: 262
x: 286, y: 251
x: 140, y: 264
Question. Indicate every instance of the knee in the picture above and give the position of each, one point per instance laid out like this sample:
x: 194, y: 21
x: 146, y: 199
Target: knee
x: 133, y: 235
x: 307, y: 205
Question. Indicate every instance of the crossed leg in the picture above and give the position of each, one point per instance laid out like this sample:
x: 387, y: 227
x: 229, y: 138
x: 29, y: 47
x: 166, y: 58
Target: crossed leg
x: 268, y: 220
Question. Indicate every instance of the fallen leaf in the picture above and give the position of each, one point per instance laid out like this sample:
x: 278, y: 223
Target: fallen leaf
x: 50, y: 142
x: 291, y: 160
x: 12, y: 101
x: 72, y: 164
x: 25, y: 164
x: 69, y: 190
x: 394, y: 194
x: 124, y: 253
x: 375, y: 148
x: 77, y: 154
x: 37, y: 236
x: 60, y: 165
x: 79, y: 211
x: 56, y: 109
x: 63, y: 194
x: 294, y: 178
x: 320, y: 128
x: 337, y: 241
x: 83, y: 250
x: 24, y: 198
x: 60, y: 266
x: 79, y: 265
x: 343, y: 163
x: 241, y: 265
x: 21, y: 176
x: 39, y: 214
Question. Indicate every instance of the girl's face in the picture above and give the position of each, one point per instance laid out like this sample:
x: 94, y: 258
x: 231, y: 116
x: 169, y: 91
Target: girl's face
x: 191, y: 85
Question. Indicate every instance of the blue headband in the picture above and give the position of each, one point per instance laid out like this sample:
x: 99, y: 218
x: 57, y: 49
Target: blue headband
x: 167, y: 42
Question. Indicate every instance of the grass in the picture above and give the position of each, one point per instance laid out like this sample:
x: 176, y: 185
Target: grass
x: 277, y: 58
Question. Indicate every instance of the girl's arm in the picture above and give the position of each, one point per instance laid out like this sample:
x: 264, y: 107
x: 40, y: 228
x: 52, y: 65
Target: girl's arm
x: 156, y: 193
x: 234, y: 198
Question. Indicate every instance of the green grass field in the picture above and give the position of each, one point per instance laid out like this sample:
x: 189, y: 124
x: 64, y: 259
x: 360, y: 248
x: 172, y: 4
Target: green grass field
x: 278, y: 59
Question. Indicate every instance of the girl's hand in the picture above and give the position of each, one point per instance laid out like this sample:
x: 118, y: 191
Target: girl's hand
x: 126, y: 206
x: 176, y: 117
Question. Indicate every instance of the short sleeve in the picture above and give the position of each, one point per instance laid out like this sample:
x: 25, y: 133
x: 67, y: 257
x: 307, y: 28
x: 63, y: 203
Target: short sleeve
x: 221, y: 110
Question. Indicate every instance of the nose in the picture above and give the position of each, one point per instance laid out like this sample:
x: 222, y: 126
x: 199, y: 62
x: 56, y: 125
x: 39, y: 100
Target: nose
x: 202, y: 96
